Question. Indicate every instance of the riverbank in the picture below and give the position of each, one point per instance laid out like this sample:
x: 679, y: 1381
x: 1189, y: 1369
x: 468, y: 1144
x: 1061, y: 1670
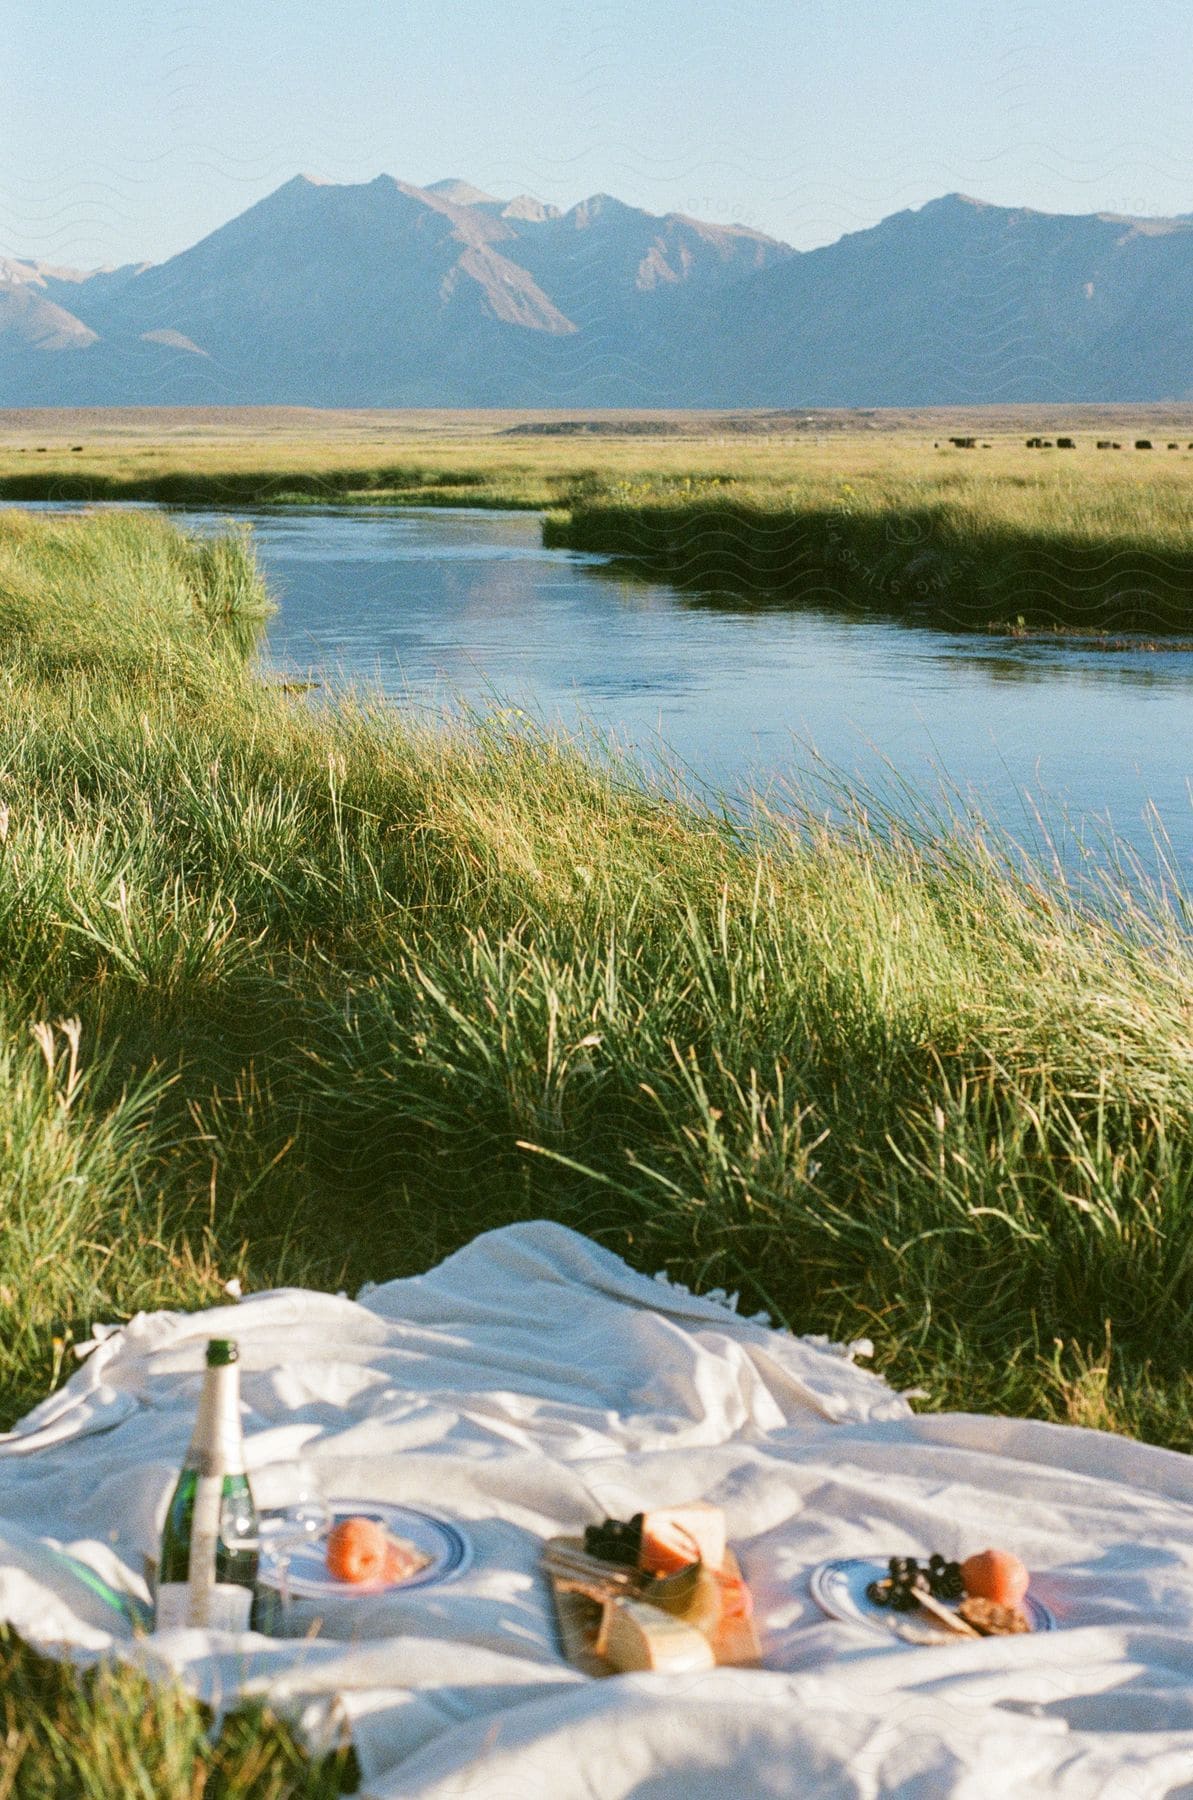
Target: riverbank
x: 348, y: 993
x: 996, y: 552
x: 1000, y: 538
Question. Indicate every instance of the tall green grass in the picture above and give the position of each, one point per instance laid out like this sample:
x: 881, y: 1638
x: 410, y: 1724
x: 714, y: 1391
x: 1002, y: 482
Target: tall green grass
x: 124, y: 595
x: 438, y: 979
x: 112, y: 1734
x: 304, y: 994
x: 408, y: 483
x: 987, y: 552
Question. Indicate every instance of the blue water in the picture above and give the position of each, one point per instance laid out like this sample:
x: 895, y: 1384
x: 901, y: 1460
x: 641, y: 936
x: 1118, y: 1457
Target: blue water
x: 433, y: 606
x: 1057, y: 743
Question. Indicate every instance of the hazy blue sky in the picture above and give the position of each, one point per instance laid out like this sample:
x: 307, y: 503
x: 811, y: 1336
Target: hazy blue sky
x: 132, y: 127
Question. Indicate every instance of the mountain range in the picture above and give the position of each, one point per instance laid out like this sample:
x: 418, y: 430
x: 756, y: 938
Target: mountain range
x: 387, y: 294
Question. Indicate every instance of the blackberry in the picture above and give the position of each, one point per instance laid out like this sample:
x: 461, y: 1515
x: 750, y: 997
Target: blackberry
x: 615, y: 1540
x: 949, y: 1583
x: 908, y: 1577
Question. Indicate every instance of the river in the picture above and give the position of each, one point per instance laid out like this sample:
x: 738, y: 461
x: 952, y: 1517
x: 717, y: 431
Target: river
x: 1054, y: 741
x: 1060, y: 744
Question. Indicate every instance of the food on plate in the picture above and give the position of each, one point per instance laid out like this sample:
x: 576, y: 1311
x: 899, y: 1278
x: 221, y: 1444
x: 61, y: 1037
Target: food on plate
x: 577, y: 1571
x: 662, y: 1541
x: 694, y: 1595
x: 673, y: 1537
x: 995, y: 1575
x: 936, y: 1611
x: 636, y: 1636
x: 662, y: 1590
x: 361, y: 1550
x: 991, y: 1619
x: 989, y: 1586
x: 615, y: 1540
x: 737, y: 1602
x: 907, y: 1578
x: 403, y: 1559
x: 356, y: 1550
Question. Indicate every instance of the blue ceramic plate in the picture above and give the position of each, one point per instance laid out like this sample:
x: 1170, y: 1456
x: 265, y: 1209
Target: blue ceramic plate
x: 839, y: 1589
x: 444, y: 1544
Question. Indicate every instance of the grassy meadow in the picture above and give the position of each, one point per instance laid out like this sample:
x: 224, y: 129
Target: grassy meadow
x: 874, y: 512
x: 266, y: 964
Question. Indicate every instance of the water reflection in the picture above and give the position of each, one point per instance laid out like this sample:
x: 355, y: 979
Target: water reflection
x: 1029, y: 658
x: 1048, y: 738
x: 434, y: 606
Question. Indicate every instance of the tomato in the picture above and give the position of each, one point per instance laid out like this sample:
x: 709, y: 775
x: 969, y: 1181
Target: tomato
x: 995, y: 1575
x: 356, y: 1550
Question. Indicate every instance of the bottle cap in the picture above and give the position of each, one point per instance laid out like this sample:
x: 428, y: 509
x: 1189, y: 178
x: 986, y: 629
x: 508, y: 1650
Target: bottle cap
x: 221, y: 1352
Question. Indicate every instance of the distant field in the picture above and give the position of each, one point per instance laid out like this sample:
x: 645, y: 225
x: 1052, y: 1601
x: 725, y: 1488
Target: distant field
x: 253, y: 423
x: 875, y: 510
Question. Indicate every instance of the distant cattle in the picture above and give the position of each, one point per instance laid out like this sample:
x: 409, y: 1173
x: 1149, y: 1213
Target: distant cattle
x: 1174, y: 446
x: 1035, y: 443
x: 964, y: 443
x: 1143, y: 443
x: 1119, y: 446
x: 1105, y: 444
x: 1066, y: 443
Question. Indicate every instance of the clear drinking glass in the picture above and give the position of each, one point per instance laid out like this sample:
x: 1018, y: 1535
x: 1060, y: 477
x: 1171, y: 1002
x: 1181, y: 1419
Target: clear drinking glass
x: 294, y: 1515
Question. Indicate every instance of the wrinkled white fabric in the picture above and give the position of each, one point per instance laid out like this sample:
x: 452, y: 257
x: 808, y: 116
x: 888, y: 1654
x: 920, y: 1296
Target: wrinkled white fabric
x: 532, y: 1383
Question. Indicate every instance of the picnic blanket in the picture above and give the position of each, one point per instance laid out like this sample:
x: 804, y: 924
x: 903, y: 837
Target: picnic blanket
x: 532, y: 1383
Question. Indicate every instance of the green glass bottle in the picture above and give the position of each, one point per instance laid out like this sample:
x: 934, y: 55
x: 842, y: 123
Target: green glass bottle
x: 207, y: 1570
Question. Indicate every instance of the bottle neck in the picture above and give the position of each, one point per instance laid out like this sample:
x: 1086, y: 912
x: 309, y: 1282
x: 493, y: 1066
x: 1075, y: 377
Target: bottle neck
x: 217, y: 1445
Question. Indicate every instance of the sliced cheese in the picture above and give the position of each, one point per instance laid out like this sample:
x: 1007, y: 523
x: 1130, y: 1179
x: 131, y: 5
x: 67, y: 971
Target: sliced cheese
x: 674, y: 1536
x: 637, y: 1636
x: 702, y: 1606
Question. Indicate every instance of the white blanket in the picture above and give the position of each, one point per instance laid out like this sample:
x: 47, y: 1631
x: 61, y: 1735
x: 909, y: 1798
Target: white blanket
x: 533, y: 1383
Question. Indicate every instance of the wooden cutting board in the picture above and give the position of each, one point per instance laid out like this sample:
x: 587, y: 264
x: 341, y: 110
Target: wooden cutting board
x: 735, y: 1643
